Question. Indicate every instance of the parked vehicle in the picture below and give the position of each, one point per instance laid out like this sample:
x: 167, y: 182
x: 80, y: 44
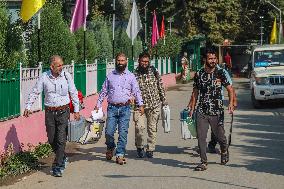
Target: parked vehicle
x: 267, y: 74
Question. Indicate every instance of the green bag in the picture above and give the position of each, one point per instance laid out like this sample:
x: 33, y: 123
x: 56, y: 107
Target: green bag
x: 191, y: 123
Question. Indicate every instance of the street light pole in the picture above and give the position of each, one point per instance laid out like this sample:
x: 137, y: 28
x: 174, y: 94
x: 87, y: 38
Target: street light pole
x: 261, y: 30
x: 280, y: 20
x: 145, y: 24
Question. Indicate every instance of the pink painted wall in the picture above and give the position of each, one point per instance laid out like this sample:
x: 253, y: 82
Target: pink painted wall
x: 32, y: 129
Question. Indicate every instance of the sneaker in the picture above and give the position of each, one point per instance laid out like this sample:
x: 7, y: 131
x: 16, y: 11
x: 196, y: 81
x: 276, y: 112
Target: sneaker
x: 211, y: 149
x: 109, y: 154
x: 65, y: 162
x: 120, y: 160
x: 225, y: 157
x: 56, y: 172
x: 140, y: 152
x: 149, y: 154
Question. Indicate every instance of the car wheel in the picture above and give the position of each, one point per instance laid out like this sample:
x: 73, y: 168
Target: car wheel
x: 256, y: 103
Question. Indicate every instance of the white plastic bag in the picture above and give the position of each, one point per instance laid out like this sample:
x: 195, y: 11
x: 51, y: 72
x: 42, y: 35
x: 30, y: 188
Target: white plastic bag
x: 166, y: 118
x: 97, y: 115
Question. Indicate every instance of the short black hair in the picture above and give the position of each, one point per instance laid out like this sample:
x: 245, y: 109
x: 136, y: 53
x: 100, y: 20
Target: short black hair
x: 143, y: 55
x: 210, y: 50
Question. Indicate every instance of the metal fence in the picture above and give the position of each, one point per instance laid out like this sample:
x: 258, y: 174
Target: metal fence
x: 17, y: 84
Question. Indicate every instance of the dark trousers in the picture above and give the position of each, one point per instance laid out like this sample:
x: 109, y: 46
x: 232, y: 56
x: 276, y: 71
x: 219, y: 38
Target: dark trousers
x: 57, y: 127
x: 217, y: 127
x: 213, y: 142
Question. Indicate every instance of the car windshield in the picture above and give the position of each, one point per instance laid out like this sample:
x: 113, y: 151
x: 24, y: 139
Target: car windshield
x: 268, y: 58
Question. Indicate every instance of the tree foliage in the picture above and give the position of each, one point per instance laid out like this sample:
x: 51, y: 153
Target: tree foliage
x: 91, y: 47
x: 55, y: 36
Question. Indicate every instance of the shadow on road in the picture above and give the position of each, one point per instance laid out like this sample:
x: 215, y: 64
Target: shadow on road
x: 263, y: 133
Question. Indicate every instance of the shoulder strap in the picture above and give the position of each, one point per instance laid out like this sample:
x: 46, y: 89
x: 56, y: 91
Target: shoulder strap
x: 66, y: 78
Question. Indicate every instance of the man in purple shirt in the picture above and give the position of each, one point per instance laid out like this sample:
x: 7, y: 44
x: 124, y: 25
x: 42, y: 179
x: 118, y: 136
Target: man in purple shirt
x: 120, y: 86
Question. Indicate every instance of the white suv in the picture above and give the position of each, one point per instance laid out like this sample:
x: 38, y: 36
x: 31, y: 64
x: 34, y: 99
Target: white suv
x: 267, y: 74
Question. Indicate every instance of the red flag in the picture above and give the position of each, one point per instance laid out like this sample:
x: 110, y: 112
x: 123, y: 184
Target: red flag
x: 162, y: 31
x: 155, y: 31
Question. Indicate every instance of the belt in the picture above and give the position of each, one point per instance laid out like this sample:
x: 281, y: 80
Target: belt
x: 120, y: 104
x: 56, y: 108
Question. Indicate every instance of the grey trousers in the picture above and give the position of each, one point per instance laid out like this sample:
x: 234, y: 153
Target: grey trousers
x: 217, y: 127
x: 57, y: 127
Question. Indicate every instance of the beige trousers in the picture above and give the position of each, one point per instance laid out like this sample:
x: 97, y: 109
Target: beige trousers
x: 152, y: 118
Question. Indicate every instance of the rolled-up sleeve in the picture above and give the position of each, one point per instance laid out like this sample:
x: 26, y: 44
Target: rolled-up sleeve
x: 73, y: 93
x: 36, y: 90
x: 103, y: 93
x: 136, y: 91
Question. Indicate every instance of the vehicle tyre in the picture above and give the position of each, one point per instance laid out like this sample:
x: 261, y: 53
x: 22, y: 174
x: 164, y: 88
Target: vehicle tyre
x: 256, y: 103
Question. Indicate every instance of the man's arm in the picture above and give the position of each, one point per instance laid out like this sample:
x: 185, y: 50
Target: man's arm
x: 161, y: 89
x: 73, y: 92
x: 102, y: 94
x: 231, y: 98
x: 135, y: 90
x: 193, y: 100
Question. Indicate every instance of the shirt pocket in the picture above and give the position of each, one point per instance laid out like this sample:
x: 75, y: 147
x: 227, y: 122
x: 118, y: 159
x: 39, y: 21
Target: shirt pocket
x: 63, y: 90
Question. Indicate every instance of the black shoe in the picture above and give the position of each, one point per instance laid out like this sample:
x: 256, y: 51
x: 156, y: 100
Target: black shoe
x: 211, y: 149
x: 140, y: 152
x: 57, y: 172
x: 149, y: 154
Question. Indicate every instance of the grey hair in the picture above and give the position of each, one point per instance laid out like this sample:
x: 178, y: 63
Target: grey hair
x: 54, y: 57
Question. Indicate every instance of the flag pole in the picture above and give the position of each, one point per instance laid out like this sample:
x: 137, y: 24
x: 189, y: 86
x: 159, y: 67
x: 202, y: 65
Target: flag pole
x: 84, y: 5
x: 113, y: 25
x: 38, y: 37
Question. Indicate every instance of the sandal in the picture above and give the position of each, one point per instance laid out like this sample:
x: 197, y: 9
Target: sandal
x: 224, y: 158
x: 201, y: 167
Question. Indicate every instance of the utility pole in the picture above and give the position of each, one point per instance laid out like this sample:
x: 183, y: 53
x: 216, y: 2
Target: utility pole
x: 113, y: 26
x: 145, y: 24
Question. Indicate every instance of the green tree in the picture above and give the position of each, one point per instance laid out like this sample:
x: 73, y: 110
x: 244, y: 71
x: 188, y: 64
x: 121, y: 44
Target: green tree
x: 3, y: 32
x: 102, y: 38
x: 123, y: 43
x: 171, y: 47
x: 91, y: 47
x: 55, y: 36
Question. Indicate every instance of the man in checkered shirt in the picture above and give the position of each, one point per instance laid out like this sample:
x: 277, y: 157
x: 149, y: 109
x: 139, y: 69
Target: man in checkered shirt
x: 153, y: 95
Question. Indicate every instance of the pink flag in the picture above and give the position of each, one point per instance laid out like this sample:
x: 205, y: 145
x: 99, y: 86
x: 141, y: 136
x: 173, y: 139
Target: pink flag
x: 79, y: 15
x: 155, y: 32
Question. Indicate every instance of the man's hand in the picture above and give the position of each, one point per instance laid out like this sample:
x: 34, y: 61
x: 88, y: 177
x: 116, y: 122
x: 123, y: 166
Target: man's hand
x: 231, y: 108
x: 27, y: 113
x: 141, y: 110
x: 77, y: 116
x: 190, y: 113
x: 165, y: 103
x: 97, y: 109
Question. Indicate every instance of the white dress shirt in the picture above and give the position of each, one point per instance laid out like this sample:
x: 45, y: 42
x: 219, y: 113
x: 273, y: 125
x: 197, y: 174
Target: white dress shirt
x: 56, y: 90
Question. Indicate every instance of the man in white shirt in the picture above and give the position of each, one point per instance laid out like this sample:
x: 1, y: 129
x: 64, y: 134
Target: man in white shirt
x: 56, y: 85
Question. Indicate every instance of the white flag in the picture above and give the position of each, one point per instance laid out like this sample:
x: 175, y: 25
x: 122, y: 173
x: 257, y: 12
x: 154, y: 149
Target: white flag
x: 134, y: 23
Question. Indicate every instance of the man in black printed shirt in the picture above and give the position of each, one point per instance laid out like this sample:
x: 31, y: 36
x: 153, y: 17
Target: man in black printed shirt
x: 207, y: 90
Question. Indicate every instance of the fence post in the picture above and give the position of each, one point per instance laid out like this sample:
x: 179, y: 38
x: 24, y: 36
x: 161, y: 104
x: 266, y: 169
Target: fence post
x: 73, y: 69
x: 21, y: 95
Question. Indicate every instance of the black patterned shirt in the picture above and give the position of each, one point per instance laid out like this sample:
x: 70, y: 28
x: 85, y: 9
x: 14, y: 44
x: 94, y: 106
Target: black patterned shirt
x: 209, y: 86
x: 151, y: 87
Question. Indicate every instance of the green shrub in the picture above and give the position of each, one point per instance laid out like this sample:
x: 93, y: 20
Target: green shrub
x: 3, y: 31
x: 13, y: 164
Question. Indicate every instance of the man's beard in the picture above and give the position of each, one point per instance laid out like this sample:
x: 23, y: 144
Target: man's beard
x: 143, y: 70
x: 210, y: 65
x: 120, y: 67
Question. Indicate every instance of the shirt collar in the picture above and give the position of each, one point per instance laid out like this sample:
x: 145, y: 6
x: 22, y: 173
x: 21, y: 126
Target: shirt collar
x: 49, y: 74
x: 126, y: 71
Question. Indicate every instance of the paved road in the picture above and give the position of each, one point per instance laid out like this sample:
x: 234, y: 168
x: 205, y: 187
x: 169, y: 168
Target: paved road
x: 256, y: 156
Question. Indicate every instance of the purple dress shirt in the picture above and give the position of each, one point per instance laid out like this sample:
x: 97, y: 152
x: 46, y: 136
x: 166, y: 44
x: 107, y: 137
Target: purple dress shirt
x: 120, y: 88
